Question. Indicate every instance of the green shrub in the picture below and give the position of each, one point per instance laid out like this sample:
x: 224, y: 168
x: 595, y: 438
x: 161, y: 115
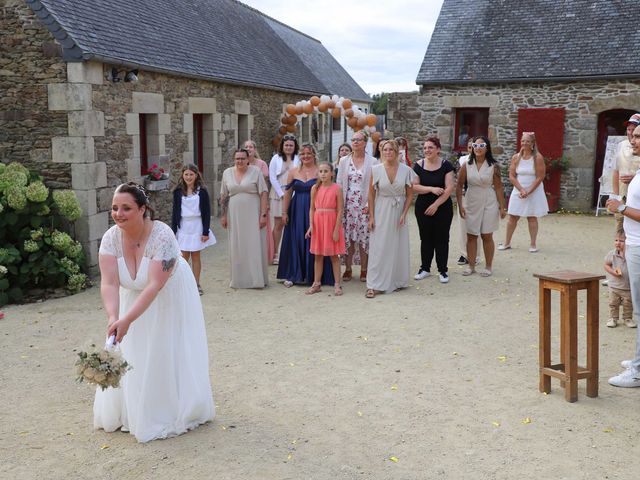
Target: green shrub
x: 36, y: 250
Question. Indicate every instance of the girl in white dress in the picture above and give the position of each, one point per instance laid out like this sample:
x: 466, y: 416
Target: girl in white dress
x: 154, y: 310
x: 191, y: 218
x: 528, y: 199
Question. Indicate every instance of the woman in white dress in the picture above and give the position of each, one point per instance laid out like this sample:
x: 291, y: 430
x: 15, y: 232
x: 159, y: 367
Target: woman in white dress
x: 390, y: 196
x: 191, y: 218
x: 528, y: 199
x: 484, y: 202
x: 244, y: 213
x: 284, y: 160
x: 154, y: 310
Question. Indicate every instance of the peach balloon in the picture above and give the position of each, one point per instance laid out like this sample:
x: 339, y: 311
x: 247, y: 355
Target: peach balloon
x: 323, y: 107
x: 371, y: 120
x: 376, y: 136
x: 362, y: 121
x: 348, y: 113
x: 276, y: 140
x: 346, y: 103
x: 282, y: 130
x: 307, y: 108
x: 315, y: 101
x: 291, y: 109
x: 336, y: 113
x: 298, y: 110
x: 291, y: 128
x: 331, y: 103
x: 352, y: 122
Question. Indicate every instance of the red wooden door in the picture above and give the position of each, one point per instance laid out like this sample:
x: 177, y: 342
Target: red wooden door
x: 548, y: 125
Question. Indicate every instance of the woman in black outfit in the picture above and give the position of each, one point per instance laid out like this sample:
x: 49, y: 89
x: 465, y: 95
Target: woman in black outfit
x: 434, y: 209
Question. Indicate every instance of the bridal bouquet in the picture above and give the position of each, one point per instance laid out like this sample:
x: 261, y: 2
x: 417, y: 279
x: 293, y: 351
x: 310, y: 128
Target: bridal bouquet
x: 104, y: 368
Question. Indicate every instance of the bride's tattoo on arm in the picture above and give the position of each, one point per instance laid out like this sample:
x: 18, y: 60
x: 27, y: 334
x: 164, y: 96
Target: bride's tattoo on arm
x: 168, y: 264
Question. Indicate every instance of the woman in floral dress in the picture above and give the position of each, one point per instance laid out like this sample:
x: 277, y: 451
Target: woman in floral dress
x: 354, y: 175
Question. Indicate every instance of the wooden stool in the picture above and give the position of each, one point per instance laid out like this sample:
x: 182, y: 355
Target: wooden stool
x: 568, y: 283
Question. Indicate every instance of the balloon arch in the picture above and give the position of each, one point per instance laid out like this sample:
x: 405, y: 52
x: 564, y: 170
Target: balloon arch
x: 336, y: 106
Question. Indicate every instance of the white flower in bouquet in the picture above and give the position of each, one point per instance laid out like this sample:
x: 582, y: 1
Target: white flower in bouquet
x: 104, y: 368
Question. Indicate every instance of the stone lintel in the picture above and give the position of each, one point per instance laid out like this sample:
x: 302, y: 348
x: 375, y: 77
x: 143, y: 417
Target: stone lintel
x: 242, y: 107
x: 143, y: 102
x: 471, y: 101
x: 202, y: 105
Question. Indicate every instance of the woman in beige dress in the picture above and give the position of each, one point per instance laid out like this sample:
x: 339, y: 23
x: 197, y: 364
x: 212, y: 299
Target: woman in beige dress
x: 484, y: 202
x: 244, y: 214
x: 255, y: 160
x: 390, y: 196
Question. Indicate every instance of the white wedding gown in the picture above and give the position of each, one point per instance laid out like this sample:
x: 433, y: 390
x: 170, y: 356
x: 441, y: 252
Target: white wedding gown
x: 168, y: 391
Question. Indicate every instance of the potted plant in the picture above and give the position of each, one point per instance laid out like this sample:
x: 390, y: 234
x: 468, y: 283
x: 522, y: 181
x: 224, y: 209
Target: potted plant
x: 156, y: 178
x: 554, y: 168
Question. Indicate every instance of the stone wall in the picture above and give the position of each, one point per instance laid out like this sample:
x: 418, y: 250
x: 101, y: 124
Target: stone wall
x: 432, y: 111
x: 81, y: 130
x: 29, y: 61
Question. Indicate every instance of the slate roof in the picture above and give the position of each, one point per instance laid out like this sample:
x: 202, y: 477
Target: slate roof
x: 506, y: 40
x: 220, y: 40
x: 320, y: 62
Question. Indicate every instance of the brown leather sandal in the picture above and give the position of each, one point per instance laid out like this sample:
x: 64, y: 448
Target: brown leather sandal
x: 363, y: 275
x: 315, y: 288
x: 337, y: 290
x: 346, y: 276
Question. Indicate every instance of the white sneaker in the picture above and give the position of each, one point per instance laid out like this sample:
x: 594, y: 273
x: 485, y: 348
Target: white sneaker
x: 630, y: 378
x: 612, y: 323
x: 421, y: 275
x: 631, y: 323
x: 444, y: 278
x: 626, y: 363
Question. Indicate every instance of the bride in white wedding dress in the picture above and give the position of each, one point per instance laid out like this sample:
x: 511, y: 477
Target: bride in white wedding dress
x: 153, y: 307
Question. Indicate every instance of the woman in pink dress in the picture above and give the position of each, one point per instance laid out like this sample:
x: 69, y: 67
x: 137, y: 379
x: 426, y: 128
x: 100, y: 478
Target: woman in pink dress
x: 327, y: 235
x: 256, y: 161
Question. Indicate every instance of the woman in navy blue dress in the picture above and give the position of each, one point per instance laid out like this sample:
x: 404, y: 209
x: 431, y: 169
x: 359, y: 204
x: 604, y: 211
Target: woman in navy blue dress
x: 296, y: 260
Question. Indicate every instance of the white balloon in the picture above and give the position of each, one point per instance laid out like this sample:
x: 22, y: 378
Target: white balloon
x: 335, y: 98
x: 372, y: 129
x: 324, y: 98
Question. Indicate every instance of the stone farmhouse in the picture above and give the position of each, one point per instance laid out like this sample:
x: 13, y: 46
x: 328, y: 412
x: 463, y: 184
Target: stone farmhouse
x: 565, y: 70
x: 93, y: 93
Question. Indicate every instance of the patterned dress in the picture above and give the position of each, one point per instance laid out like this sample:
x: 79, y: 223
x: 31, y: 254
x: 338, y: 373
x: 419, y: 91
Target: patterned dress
x: 356, y: 222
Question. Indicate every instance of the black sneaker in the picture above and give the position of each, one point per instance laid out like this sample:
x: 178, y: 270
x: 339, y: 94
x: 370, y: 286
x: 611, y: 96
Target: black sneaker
x: 463, y: 260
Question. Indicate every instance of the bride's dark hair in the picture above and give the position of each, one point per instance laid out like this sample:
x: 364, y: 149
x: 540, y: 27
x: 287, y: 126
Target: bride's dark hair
x: 140, y: 196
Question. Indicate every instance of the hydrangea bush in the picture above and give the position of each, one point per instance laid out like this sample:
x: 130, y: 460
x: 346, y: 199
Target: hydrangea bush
x: 35, y: 249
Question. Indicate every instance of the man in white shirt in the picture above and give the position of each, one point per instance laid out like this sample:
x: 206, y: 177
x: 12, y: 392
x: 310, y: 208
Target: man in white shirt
x: 631, y: 214
x: 627, y: 163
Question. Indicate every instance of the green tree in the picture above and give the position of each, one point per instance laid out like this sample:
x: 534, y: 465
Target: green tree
x: 380, y: 101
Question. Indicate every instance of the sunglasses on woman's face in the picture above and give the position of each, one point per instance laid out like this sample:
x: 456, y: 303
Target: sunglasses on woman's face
x: 478, y: 145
